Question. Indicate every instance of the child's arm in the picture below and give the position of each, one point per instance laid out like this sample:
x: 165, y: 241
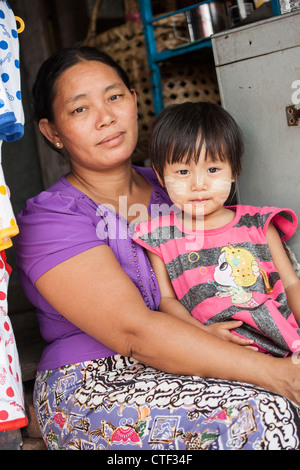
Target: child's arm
x: 290, y: 280
x: 169, y: 302
x: 171, y: 305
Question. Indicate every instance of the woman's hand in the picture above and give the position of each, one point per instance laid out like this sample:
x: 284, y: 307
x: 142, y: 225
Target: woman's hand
x: 283, y: 377
x: 223, y: 331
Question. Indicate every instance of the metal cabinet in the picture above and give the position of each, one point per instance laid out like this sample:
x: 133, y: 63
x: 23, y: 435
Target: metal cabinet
x: 258, y: 71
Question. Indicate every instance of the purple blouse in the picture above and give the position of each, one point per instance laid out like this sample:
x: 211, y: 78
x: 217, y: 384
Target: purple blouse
x: 60, y: 223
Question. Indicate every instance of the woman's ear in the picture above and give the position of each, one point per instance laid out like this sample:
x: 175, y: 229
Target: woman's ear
x: 132, y: 91
x: 48, y: 130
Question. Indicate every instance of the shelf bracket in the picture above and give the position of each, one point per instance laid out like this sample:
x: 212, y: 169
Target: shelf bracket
x: 292, y: 115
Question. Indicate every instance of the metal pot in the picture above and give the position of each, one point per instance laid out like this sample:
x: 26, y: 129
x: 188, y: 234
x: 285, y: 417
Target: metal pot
x: 207, y: 19
x: 239, y: 10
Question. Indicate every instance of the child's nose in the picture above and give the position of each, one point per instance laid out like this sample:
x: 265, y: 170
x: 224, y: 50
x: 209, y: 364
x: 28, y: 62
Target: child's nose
x: 198, y: 181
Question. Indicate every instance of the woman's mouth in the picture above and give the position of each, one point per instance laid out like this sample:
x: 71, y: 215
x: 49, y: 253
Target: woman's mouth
x: 112, y: 140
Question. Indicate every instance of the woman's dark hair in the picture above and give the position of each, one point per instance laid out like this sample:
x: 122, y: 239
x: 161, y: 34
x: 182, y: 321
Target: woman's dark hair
x: 180, y: 131
x: 44, y: 88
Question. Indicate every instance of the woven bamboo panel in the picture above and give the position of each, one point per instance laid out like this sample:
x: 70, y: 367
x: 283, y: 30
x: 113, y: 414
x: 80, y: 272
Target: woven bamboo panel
x: 180, y: 81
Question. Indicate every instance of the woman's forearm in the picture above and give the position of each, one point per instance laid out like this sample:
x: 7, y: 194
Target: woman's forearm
x: 182, y: 348
x: 186, y: 349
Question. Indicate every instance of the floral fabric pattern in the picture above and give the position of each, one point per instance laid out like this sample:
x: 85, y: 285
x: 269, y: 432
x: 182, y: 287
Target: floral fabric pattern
x: 117, y: 403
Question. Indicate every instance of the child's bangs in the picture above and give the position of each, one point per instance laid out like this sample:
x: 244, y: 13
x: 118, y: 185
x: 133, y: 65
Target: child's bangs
x: 185, y: 146
x: 188, y: 149
x: 216, y: 150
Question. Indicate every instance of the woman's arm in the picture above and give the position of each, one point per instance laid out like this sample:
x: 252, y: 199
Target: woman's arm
x: 288, y: 276
x: 92, y: 291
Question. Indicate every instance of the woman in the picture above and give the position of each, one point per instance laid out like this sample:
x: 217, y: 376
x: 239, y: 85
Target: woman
x: 117, y: 373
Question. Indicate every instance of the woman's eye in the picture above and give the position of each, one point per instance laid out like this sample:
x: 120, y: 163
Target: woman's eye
x: 78, y: 110
x: 114, y: 97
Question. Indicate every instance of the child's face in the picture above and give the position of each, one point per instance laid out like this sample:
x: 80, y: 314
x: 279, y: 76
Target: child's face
x: 199, y: 189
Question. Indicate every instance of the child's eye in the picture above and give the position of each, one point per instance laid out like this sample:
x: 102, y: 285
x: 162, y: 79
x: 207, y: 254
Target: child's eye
x: 183, y: 172
x: 213, y: 170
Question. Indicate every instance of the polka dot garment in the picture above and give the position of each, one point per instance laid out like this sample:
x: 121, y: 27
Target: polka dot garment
x: 12, y: 413
x: 11, y: 112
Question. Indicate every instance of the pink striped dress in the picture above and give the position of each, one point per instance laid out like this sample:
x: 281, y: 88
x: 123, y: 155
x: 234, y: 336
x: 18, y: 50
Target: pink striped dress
x: 228, y: 273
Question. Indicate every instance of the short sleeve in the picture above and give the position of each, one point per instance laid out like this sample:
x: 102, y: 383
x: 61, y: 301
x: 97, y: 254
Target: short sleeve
x: 53, y: 228
x: 148, y: 235
x: 284, y: 220
x: 154, y: 234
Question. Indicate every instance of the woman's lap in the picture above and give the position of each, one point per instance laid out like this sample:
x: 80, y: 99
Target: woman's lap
x: 118, y: 403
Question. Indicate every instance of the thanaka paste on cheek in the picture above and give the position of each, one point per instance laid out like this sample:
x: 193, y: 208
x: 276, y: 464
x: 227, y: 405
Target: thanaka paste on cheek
x: 177, y: 190
x: 221, y: 188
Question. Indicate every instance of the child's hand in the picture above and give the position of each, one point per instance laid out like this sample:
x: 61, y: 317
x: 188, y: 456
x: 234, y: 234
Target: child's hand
x: 222, y: 330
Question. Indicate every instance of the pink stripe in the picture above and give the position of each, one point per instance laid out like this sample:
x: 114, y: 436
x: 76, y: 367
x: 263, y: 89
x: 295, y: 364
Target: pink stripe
x: 236, y: 235
x: 210, y: 307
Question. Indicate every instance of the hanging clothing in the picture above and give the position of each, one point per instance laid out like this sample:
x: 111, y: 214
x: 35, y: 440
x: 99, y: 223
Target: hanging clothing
x: 11, y: 112
x: 12, y: 413
x: 8, y: 224
x: 12, y: 410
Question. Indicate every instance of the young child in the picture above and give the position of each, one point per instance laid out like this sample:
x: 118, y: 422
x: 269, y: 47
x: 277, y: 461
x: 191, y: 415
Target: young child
x: 226, y: 264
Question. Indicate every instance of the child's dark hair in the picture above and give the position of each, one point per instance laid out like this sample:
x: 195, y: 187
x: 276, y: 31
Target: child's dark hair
x: 180, y: 131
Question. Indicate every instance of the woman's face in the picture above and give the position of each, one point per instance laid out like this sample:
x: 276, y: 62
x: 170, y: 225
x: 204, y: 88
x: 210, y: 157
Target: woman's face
x: 95, y: 116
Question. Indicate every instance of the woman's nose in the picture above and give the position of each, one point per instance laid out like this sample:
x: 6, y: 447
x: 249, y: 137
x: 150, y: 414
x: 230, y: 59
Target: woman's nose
x: 104, y: 117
